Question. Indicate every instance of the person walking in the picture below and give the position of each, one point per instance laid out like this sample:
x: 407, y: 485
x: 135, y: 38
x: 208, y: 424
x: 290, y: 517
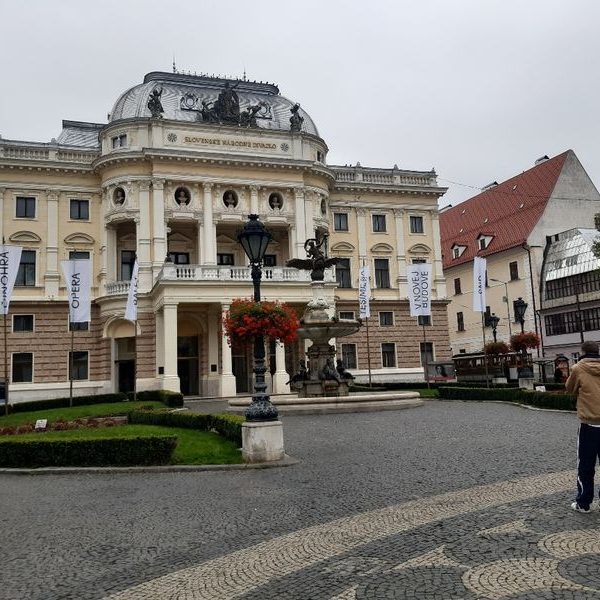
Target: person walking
x: 584, y: 383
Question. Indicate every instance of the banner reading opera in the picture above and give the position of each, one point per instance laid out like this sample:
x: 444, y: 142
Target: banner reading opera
x: 131, y: 308
x: 479, y: 268
x: 419, y: 289
x: 364, y: 293
x: 10, y: 258
x: 78, y: 276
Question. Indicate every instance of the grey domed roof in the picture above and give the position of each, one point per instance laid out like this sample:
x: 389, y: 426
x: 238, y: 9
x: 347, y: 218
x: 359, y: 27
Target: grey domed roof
x: 182, y: 97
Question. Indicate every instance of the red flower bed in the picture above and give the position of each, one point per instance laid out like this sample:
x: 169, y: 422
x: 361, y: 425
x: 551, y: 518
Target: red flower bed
x: 247, y: 319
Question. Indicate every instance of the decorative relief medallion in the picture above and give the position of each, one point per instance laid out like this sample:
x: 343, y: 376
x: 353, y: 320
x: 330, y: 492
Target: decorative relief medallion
x: 172, y: 137
x: 285, y: 147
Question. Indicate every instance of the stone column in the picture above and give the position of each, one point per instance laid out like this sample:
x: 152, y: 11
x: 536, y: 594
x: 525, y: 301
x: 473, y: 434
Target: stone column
x: 210, y: 237
x: 51, y: 276
x: 438, y: 273
x: 401, y: 253
x: 170, y: 379
x: 213, y: 378
x: 300, y: 223
x: 143, y: 242
x: 253, y: 200
x: 280, y: 377
x: 228, y: 384
x: 159, y: 239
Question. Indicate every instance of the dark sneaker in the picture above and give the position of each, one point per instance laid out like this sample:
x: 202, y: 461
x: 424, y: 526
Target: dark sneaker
x: 582, y: 509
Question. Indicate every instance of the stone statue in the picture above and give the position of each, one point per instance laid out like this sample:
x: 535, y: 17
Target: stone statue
x: 344, y: 375
x: 328, y: 372
x: 248, y: 117
x: 296, y: 119
x: 316, y: 262
x: 207, y: 112
x: 301, y: 375
x: 155, y: 105
x: 227, y: 105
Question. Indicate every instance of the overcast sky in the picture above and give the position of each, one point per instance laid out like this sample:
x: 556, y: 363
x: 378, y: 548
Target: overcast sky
x: 477, y: 89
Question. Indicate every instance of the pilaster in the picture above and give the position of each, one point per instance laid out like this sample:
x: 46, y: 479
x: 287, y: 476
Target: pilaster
x: 401, y: 253
x: 51, y: 276
x: 300, y: 223
x: 209, y: 231
x: 253, y: 200
x: 361, y: 220
x: 158, y: 225
x: 438, y: 273
x: 2, y: 195
x: 170, y: 379
x: 228, y: 384
x: 143, y: 242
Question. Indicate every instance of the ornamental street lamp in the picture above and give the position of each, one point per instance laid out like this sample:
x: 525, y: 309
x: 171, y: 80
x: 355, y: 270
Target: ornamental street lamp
x: 520, y: 306
x: 493, y: 321
x: 254, y: 239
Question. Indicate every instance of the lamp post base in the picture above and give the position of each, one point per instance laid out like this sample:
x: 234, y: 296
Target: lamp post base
x: 262, y: 442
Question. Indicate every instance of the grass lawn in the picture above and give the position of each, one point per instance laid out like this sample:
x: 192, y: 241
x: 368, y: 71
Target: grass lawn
x: 110, y: 409
x: 193, y: 447
x: 427, y: 393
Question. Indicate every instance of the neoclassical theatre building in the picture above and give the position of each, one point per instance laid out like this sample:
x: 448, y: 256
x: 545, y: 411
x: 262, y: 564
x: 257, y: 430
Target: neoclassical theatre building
x: 171, y: 179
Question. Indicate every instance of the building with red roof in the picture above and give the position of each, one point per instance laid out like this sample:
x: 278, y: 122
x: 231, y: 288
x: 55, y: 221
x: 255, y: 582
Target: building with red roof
x: 509, y: 224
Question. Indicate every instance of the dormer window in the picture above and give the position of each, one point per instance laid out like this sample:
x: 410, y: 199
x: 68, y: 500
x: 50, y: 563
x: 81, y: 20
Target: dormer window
x: 457, y: 251
x: 483, y: 241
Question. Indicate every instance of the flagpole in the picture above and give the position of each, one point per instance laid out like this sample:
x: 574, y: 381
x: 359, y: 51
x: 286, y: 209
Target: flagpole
x: 485, y: 359
x: 5, y: 366
x: 71, y: 365
x: 135, y: 360
x: 425, y: 355
x: 368, y: 350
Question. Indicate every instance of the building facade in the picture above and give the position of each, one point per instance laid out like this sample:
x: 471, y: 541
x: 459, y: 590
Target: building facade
x: 171, y: 179
x: 510, y: 224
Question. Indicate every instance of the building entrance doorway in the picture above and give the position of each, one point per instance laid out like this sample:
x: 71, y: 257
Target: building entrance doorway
x: 125, y: 364
x: 188, y: 365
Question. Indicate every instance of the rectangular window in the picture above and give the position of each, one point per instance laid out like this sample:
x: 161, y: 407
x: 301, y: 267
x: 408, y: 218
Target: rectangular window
x: 179, y: 258
x: 25, y: 207
x: 80, y: 365
x: 22, y: 367
x: 225, y: 260
x: 379, y: 223
x: 342, y: 273
x: 424, y: 320
x: 514, y: 270
x: 382, y: 273
x: 455, y: 252
x: 340, y: 221
x: 270, y: 260
x: 482, y: 243
x: 346, y: 315
x: 26, y: 272
x: 388, y: 354
x: 127, y: 262
x: 419, y: 261
x: 460, y: 321
x: 119, y: 141
x: 349, y: 356
x: 80, y: 210
x: 386, y: 318
x: 457, y: 289
x: 81, y: 254
x: 426, y: 350
x: 416, y: 224
x: 22, y: 323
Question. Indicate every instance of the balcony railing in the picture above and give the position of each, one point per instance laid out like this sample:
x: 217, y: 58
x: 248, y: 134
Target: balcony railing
x: 207, y: 273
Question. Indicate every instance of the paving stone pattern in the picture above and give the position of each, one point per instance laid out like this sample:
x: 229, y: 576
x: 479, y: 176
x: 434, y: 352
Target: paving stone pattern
x: 383, y: 505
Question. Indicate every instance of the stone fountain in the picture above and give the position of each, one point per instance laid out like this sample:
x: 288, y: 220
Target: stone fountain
x: 321, y: 378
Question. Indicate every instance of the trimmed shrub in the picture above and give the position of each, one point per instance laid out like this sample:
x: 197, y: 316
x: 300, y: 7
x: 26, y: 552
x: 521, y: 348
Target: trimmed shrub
x: 172, y: 399
x: 228, y: 426
x: 63, y: 402
x: 517, y: 395
x: 150, y: 450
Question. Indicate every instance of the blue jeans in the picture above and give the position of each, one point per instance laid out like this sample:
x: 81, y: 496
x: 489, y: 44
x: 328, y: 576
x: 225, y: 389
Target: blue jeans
x: 588, y: 452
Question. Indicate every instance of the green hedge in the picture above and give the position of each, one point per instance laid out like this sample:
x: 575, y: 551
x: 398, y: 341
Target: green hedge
x: 519, y: 396
x: 172, y: 399
x: 228, y: 426
x: 63, y: 402
x: 151, y: 450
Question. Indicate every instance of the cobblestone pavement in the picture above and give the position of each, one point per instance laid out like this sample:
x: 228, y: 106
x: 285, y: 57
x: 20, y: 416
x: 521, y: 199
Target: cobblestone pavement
x: 450, y: 500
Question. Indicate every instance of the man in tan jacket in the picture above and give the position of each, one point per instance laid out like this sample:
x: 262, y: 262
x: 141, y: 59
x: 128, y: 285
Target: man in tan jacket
x: 584, y: 382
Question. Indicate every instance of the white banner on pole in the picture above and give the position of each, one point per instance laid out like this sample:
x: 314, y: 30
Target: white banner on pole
x: 10, y: 258
x: 479, y: 267
x: 419, y: 289
x: 131, y: 309
x: 364, y: 293
x: 78, y: 275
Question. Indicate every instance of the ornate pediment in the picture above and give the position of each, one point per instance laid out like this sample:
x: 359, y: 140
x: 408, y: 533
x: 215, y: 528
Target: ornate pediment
x: 419, y: 249
x: 343, y: 248
x: 79, y: 238
x: 382, y: 248
x: 25, y: 237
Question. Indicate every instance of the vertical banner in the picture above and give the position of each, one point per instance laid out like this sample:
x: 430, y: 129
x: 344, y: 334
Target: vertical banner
x: 10, y: 258
x: 419, y: 289
x: 479, y: 267
x: 131, y: 309
x: 78, y: 276
x: 364, y: 293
